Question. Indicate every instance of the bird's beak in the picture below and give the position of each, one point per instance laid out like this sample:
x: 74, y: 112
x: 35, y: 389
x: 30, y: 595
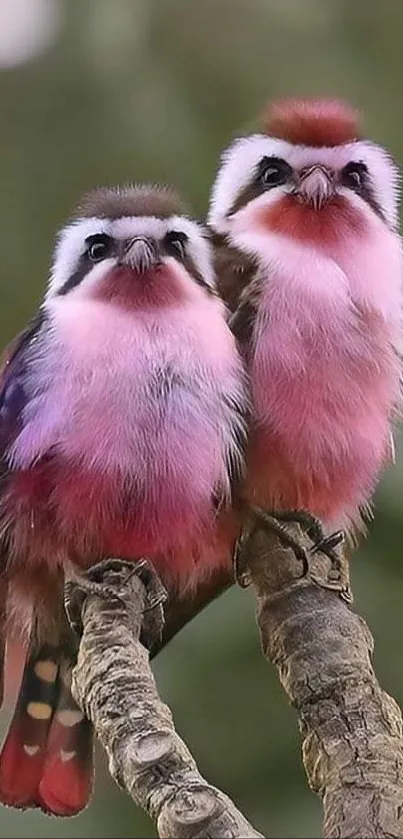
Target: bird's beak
x: 316, y: 186
x: 141, y: 254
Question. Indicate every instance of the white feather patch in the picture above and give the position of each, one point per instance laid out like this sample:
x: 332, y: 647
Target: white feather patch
x: 239, y: 162
x: 66, y: 756
x: 70, y: 245
x: 31, y: 750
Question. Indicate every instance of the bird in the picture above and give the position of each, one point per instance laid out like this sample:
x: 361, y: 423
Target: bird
x: 123, y: 422
x: 303, y: 216
x: 304, y: 219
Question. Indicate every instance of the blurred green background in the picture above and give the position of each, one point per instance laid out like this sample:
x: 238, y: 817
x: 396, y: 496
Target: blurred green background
x: 105, y: 91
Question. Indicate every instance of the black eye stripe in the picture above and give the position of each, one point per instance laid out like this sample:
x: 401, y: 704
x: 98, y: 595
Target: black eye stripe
x: 259, y: 184
x: 84, y: 264
x: 178, y: 236
x: 77, y: 276
x: 362, y: 185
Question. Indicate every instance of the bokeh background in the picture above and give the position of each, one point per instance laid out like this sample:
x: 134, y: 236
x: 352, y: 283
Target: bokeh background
x: 105, y: 91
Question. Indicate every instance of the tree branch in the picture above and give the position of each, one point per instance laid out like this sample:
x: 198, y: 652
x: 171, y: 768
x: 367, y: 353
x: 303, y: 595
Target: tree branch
x: 114, y: 685
x: 351, y: 729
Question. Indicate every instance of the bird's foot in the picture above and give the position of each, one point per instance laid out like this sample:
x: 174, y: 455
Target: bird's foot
x: 109, y: 579
x: 331, y: 546
x: 260, y: 519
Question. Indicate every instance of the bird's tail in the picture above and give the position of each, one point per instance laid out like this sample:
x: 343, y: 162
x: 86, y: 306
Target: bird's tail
x: 47, y: 757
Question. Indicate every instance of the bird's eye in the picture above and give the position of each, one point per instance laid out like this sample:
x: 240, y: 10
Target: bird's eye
x: 273, y: 171
x: 353, y: 175
x: 175, y: 243
x: 98, y: 246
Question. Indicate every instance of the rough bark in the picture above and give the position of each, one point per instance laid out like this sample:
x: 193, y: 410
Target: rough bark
x: 114, y: 685
x: 351, y: 729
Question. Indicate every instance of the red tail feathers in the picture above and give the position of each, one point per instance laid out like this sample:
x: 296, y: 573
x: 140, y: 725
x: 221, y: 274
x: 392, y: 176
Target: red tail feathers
x: 22, y: 757
x: 66, y: 782
x: 46, y: 759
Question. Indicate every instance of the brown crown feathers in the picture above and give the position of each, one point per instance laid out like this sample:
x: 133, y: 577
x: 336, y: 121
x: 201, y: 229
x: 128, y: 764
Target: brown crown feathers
x: 312, y: 122
x: 142, y: 200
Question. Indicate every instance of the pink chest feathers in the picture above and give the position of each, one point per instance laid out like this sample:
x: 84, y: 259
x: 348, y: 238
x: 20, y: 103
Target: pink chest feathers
x: 325, y: 383
x: 135, y: 413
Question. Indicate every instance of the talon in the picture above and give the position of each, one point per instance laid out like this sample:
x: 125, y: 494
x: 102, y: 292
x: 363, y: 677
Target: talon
x: 155, y: 602
x: 347, y: 595
x: 337, y: 577
x: 73, y: 603
x: 241, y: 572
x: 309, y: 523
x: 329, y: 543
x: 244, y: 580
x: 343, y: 589
x: 302, y: 555
x: 159, y: 598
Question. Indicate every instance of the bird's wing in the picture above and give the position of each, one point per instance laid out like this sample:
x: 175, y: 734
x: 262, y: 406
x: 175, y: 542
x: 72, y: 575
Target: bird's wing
x: 13, y: 363
x: 12, y: 401
x: 238, y: 285
x: 235, y: 271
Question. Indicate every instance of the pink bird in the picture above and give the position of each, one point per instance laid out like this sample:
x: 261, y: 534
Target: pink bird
x: 122, y: 429
x: 305, y: 222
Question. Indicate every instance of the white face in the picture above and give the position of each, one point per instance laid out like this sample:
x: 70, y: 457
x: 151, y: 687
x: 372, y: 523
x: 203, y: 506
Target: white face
x: 78, y: 265
x: 375, y: 184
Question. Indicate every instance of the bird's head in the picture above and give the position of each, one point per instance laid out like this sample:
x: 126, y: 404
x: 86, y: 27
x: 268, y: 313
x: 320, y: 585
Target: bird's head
x: 308, y: 175
x: 134, y: 247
